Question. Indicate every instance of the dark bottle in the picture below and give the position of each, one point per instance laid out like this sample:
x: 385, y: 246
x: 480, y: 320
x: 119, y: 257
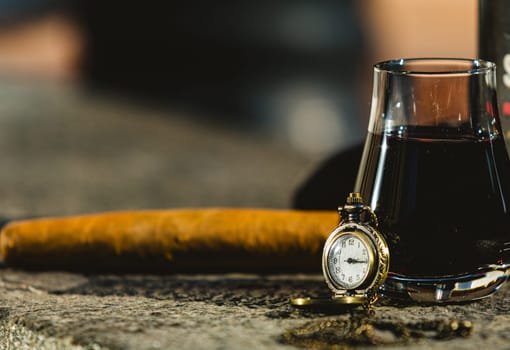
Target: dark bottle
x: 494, y: 45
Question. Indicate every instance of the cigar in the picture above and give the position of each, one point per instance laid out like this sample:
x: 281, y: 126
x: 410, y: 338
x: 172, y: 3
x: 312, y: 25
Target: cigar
x: 171, y: 241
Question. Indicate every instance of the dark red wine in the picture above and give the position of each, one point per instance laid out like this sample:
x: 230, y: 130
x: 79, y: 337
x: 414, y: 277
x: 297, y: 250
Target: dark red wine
x: 443, y: 204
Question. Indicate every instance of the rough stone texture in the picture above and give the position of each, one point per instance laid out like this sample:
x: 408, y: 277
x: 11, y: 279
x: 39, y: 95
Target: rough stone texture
x: 63, y: 152
x: 210, y: 311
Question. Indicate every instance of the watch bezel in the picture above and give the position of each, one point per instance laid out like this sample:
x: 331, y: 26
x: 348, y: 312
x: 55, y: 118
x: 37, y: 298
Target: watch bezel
x: 372, y: 254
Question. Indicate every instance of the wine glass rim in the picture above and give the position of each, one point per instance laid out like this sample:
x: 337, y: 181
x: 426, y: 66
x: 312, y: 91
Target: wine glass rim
x: 451, y: 66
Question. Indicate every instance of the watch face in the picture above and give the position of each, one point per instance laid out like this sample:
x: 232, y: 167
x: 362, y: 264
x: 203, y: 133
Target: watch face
x: 349, y: 261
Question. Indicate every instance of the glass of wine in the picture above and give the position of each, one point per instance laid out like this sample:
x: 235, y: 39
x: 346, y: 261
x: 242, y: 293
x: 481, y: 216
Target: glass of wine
x: 436, y: 173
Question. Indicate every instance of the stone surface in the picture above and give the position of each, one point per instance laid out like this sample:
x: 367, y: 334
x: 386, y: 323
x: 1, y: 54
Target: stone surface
x: 65, y: 152
x: 209, y: 311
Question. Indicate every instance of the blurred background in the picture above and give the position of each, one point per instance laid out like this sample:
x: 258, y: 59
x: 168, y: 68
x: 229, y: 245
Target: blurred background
x: 123, y: 105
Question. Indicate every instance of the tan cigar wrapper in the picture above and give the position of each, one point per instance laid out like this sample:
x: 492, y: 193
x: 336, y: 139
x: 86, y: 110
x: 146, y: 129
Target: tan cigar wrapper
x: 169, y: 241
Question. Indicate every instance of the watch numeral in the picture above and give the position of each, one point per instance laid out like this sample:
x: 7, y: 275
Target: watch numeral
x: 338, y: 270
x: 350, y: 279
x: 343, y: 244
x: 351, y: 241
x: 335, y: 261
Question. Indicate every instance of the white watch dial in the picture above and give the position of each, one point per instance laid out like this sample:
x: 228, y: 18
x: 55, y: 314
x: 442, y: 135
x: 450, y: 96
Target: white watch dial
x: 349, y: 261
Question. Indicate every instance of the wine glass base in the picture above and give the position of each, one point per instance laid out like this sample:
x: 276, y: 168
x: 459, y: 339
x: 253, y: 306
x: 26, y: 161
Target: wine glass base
x: 449, y: 289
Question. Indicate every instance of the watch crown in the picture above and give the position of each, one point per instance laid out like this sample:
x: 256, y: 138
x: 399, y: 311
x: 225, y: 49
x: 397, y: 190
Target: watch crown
x: 354, y: 198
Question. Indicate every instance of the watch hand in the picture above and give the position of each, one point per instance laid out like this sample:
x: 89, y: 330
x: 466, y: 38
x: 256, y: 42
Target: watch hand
x: 354, y: 261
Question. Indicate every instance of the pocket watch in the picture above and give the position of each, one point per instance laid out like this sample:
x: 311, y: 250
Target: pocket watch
x: 356, y: 258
